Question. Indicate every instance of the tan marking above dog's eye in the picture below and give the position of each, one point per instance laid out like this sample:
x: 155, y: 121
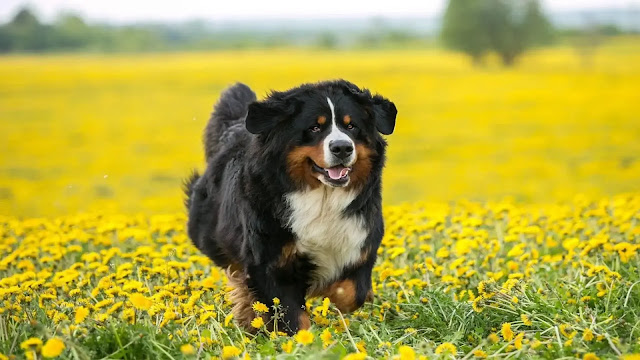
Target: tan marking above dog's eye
x: 322, y: 120
x: 347, y: 119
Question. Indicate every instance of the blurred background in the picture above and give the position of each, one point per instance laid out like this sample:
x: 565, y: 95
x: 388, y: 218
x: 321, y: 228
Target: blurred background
x: 102, y: 104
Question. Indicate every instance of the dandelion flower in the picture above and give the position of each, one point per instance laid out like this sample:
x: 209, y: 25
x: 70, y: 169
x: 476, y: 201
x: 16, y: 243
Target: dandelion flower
x: 229, y: 352
x: 140, y: 302
x: 493, y: 337
x: 227, y: 319
x: 590, y: 356
x: 480, y: 354
x: 587, y: 335
x: 287, y: 347
x: 355, y: 356
x: 518, y: 341
x: 325, y: 306
x: 81, y: 314
x: 326, y: 337
x: 260, y: 307
x: 407, y: 353
x: 304, y: 337
x: 187, y: 349
x: 53, y: 348
x: 257, y: 322
x: 31, y: 342
x: 446, y: 348
x: 506, y: 331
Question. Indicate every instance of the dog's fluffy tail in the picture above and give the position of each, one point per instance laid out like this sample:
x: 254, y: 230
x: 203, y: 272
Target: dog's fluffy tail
x: 231, y: 107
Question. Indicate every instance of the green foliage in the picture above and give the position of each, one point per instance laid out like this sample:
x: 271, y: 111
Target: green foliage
x: 69, y: 32
x: 506, y: 27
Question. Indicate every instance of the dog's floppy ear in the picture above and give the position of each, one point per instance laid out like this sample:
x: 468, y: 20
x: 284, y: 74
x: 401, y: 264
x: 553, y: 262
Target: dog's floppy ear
x: 265, y: 115
x: 384, y: 114
x: 382, y: 111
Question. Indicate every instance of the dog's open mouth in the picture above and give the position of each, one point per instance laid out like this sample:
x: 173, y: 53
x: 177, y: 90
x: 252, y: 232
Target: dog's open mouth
x: 336, y: 175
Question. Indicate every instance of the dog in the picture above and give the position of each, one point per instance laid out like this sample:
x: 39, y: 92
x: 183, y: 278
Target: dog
x: 290, y: 202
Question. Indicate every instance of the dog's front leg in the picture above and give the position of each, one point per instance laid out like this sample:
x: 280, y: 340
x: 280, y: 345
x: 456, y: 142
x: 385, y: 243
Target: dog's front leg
x: 353, y: 288
x: 268, y: 283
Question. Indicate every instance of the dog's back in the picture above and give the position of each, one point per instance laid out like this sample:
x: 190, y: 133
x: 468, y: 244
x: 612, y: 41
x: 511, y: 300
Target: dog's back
x: 223, y: 139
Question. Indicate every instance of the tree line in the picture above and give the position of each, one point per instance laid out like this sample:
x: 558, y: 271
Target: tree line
x: 474, y: 27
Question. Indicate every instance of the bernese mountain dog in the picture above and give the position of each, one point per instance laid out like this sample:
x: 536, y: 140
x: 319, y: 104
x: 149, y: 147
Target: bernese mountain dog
x: 290, y: 201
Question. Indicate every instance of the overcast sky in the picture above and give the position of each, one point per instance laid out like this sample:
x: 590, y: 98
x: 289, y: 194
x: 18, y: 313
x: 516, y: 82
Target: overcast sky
x: 123, y: 11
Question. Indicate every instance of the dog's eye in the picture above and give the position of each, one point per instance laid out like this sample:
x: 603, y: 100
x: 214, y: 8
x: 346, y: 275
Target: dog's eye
x: 350, y: 127
x: 314, y: 129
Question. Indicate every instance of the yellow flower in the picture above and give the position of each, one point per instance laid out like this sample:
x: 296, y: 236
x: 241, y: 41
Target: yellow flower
x: 480, y: 354
x: 81, y: 314
x: 140, y: 302
x: 355, y: 356
x: 276, y: 301
x: 446, y: 348
x: 631, y: 357
x: 590, y: 356
x: 518, y: 341
x: 287, y: 347
x: 525, y: 320
x: 187, y: 349
x: 257, y: 322
x: 31, y: 342
x: 326, y: 337
x: 407, y: 353
x: 304, y: 337
x: 564, y: 330
x: 260, y: 307
x: 493, y: 337
x: 53, y: 348
x: 325, y: 306
x: 229, y: 352
x: 506, y: 332
x: 227, y: 319
x: 535, y: 344
x: 587, y: 335
x: 475, y: 304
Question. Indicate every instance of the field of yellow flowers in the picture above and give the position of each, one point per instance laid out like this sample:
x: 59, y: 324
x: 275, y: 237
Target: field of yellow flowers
x: 455, y: 280
x: 512, y: 208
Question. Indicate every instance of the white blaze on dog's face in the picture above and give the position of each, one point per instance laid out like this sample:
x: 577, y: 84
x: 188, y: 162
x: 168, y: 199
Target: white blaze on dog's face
x: 339, y: 153
x: 330, y: 134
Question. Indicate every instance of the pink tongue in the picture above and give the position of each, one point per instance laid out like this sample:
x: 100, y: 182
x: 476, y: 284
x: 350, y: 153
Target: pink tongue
x: 337, y: 172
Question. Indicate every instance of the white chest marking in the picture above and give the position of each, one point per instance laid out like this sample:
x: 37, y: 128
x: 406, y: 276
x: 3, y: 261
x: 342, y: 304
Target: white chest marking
x: 331, y: 239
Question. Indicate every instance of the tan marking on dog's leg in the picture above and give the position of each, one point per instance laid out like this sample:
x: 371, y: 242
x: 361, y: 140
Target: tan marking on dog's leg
x: 304, y: 322
x: 343, y: 295
x: 242, y: 299
x: 287, y: 254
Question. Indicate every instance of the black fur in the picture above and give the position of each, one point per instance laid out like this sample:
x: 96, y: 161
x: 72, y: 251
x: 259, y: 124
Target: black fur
x: 238, y: 215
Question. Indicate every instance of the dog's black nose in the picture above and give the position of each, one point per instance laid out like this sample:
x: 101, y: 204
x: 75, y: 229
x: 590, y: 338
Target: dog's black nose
x: 341, y: 149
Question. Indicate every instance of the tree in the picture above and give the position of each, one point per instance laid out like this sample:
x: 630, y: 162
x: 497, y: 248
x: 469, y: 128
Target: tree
x: 71, y: 32
x: 508, y: 27
x: 462, y: 28
x: 27, y: 33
